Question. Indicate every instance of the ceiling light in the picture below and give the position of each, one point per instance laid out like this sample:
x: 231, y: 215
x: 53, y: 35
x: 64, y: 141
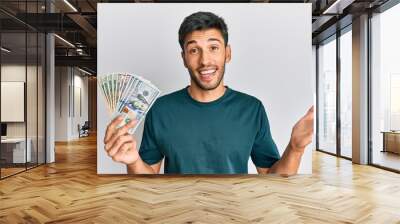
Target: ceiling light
x: 337, y: 7
x: 70, y: 5
x: 5, y: 50
x: 84, y: 71
x: 65, y: 41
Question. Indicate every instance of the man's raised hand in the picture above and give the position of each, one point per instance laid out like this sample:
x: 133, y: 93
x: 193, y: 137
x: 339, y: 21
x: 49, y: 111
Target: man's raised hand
x: 302, y: 131
x: 119, y: 144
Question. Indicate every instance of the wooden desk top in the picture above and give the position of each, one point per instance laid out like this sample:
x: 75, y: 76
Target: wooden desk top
x: 13, y: 140
x: 391, y: 132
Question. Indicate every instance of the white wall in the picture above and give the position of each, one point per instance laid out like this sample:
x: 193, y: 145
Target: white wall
x: 61, y: 103
x: 33, y: 127
x: 271, y: 58
x: 17, y: 73
x: 80, y: 84
x: 68, y: 81
x: 14, y: 73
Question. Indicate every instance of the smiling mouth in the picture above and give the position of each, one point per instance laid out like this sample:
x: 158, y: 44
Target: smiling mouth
x: 207, y: 74
x: 208, y: 71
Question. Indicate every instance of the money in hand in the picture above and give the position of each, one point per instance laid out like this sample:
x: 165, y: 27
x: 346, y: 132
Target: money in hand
x: 129, y: 95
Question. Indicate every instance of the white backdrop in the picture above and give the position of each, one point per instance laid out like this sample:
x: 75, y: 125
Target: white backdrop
x: 271, y: 58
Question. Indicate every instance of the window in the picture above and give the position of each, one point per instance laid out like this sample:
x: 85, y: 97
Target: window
x: 346, y: 93
x: 385, y: 89
x: 327, y: 96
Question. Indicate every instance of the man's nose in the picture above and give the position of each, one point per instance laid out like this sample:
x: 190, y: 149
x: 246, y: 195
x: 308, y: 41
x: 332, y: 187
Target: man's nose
x: 205, y: 58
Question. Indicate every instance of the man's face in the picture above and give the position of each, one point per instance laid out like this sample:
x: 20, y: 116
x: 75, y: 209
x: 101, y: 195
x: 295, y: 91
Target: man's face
x: 204, y: 56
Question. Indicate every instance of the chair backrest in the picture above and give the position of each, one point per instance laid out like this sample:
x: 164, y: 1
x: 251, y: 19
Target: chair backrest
x: 86, y: 124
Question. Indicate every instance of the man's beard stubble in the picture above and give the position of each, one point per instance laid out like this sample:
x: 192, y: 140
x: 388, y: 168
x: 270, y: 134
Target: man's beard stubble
x: 197, y: 82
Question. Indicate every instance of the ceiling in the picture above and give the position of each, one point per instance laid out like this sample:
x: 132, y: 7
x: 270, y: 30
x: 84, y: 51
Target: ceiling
x: 76, y: 22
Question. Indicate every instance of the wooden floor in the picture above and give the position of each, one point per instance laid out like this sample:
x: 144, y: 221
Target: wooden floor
x: 10, y: 171
x: 387, y: 159
x: 5, y: 172
x: 70, y: 191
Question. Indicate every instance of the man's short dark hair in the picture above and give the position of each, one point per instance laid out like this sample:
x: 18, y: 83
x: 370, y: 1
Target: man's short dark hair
x: 202, y: 21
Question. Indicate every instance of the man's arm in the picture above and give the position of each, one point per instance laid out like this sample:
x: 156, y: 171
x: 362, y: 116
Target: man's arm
x: 140, y: 167
x: 301, y: 137
x: 287, y: 165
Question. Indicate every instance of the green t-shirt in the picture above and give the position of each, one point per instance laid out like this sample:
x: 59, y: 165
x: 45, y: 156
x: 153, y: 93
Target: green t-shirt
x: 217, y: 137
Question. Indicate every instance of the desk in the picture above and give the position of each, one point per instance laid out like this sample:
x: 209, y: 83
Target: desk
x: 15, y: 148
x: 391, y: 141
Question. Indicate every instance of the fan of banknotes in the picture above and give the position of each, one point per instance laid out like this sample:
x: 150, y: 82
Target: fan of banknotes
x: 129, y: 95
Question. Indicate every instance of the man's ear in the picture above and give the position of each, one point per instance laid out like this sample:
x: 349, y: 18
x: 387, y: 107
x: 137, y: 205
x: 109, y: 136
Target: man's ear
x: 228, y: 53
x: 183, y: 58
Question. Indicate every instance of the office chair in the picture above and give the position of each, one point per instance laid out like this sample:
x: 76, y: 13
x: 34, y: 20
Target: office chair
x: 84, y: 130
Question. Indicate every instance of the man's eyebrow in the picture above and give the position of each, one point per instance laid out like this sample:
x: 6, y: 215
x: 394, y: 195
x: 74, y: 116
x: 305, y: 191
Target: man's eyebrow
x: 210, y: 39
x: 191, y: 42
x: 214, y: 39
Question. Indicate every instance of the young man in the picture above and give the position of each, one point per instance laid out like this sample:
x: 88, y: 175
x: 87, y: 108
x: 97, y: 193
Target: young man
x: 206, y: 128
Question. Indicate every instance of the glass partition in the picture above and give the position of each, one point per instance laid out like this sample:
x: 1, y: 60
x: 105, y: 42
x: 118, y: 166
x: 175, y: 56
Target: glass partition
x: 22, y: 77
x: 327, y: 96
x: 13, y: 94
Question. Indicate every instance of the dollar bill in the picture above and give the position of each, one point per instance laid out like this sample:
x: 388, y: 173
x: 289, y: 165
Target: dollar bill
x: 141, y: 98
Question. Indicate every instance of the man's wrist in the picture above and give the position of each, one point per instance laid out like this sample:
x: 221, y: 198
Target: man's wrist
x: 295, y: 149
x: 131, y: 167
x: 134, y: 162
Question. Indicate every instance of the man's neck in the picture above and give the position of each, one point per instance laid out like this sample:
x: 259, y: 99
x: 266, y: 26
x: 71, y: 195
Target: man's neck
x: 206, y: 96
